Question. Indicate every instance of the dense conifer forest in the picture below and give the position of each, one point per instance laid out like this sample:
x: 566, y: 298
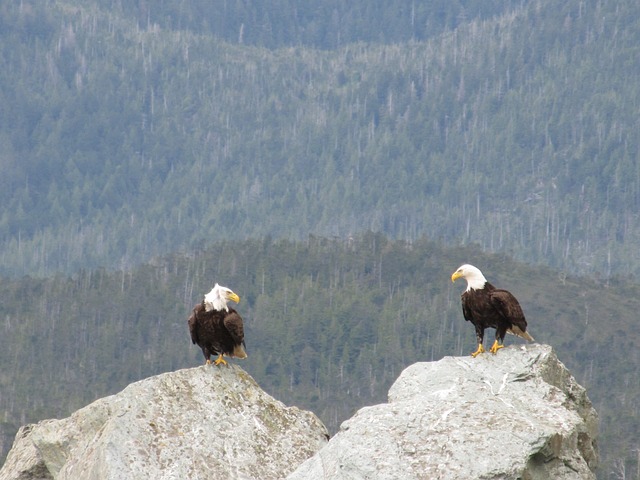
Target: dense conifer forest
x: 149, y: 149
x: 133, y: 129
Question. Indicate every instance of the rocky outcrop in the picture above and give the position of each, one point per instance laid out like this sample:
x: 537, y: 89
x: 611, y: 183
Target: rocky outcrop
x: 518, y: 414
x: 515, y: 415
x: 200, y: 423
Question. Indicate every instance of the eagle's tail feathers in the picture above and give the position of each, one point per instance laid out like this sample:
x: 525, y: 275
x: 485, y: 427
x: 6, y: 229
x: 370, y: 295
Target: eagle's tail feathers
x: 239, y: 352
x: 515, y: 330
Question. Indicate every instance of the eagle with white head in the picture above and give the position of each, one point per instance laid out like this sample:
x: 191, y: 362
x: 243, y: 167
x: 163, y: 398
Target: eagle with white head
x: 216, y: 328
x: 486, y: 306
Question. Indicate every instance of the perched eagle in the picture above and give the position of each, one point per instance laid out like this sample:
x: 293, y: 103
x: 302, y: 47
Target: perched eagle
x: 489, y: 307
x: 216, y: 328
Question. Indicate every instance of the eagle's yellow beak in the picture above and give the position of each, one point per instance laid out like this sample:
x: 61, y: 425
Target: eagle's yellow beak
x: 456, y: 275
x: 234, y: 297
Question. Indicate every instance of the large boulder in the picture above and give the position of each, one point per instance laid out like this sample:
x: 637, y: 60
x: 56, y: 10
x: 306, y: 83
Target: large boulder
x: 518, y: 414
x: 200, y: 423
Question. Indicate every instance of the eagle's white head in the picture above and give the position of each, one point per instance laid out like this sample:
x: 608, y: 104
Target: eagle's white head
x: 217, y: 298
x: 474, y: 277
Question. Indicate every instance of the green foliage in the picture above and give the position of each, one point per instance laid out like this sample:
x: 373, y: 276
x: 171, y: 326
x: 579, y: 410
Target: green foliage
x: 330, y: 324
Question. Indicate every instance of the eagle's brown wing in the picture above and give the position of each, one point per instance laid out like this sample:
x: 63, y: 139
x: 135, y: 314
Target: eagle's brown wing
x: 193, y: 319
x: 509, y: 308
x: 235, y: 327
x: 466, y: 311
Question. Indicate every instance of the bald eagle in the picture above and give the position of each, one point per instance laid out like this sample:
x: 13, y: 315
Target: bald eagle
x: 216, y: 328
x: 489, y: 307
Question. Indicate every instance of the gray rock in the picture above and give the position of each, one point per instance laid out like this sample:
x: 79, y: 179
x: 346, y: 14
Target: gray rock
x: 206, y: 422
x: 518, y: 414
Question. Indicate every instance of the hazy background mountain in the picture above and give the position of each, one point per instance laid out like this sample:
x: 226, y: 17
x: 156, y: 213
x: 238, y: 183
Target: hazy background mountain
x: 131, y: 130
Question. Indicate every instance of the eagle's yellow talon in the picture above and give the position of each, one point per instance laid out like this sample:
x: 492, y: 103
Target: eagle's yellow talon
x: 479, y: 351
x: 495, y: 347
x: 220, y: 360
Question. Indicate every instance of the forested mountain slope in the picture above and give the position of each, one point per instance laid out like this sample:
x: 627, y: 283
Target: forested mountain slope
x: 330, y: 324
x: 131, y: 129
x: 326, y: 24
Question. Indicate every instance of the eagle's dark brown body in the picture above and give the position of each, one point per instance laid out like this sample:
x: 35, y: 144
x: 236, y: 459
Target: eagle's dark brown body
x: 492, y: 307
x: 217, y: 332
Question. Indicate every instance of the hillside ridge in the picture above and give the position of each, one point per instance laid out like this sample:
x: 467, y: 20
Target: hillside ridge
x: 125, y: 140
